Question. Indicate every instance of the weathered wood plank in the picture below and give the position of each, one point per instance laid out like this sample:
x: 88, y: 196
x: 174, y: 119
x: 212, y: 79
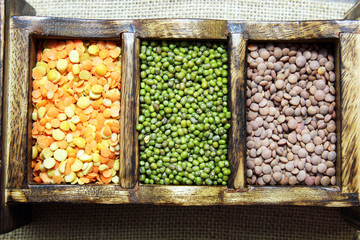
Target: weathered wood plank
x: 73, y: 194
x: 185, y: 195
x: 111, y: 194
x: 350, y: 112
x: 299, y: 30
x: 353, y: 13
x: 180, y: 195
x: 181, y: 28
x: 16, y: 105
x: 129, y: 100
x: 237, y: 133
x: 136, y: 102
x: 11, y: 217
x: 338, y: 107
x: 300, y: 196
x: 2, y: 47
x: 73, y: 28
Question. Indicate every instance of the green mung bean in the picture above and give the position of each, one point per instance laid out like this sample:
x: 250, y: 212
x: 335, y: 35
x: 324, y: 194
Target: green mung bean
x: 184, y: 117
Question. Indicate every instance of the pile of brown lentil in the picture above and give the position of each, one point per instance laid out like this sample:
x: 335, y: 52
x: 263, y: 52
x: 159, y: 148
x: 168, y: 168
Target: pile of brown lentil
x: 290, y: 114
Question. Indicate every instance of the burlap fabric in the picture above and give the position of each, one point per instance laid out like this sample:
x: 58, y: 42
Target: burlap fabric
x: 61, y: 221
x: 215, y: 9
x: 100, y: 222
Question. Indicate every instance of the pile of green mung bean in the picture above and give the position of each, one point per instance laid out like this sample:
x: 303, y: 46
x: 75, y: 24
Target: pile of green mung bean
x: 184, y: 117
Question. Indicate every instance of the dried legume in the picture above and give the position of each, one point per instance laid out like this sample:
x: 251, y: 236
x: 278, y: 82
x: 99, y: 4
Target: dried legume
x: 76, y: 110
x: 295, y: 144
x: 183, y: 118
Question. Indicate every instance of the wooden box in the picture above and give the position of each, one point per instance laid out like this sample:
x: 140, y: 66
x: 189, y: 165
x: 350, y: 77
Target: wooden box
x: 16, y: 139
x: 353, y: 13
x: 17, y: 215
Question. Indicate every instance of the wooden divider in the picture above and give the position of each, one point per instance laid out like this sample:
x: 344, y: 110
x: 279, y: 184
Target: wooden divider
x: 350, y: 112
x: 237, y: 133
x: 129, y: 154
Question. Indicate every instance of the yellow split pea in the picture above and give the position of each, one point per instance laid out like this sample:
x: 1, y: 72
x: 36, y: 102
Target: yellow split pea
x: 76, y: 102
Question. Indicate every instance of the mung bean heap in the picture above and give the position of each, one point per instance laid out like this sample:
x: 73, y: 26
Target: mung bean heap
x: 290, y: 114
x: 184, y: 117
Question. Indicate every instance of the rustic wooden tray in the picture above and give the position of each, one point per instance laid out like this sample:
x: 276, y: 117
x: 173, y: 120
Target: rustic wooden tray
x: 10, y: 216
x: 16, y: 140
x: 353, y: 13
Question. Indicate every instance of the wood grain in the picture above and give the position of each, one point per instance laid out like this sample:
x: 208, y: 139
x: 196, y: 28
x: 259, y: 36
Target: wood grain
x: 72, y: 28
x: 350, y: 112
x: 181, y: 28
x: 2, y: 47
x: 129, y: 100
x: 185, y: 195
x: 338, y: 110
x: 136, y: 101
x: 237, y: 133
x: 11, y: 217
x: 181, y: 195
x: 67, y: 193
x: 300, y: 196
x: 16, y: 105
x: 354, y: 12
x: 352, y: 214
x: 300, y: 30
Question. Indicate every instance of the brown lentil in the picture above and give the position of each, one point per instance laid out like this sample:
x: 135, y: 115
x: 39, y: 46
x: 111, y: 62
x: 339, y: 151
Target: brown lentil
x: 290, y: 115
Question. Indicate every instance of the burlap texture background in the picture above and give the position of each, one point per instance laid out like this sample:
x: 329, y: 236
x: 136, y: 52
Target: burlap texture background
x: 215, y: 9
x: 86, y: 222
x: 61, y: 221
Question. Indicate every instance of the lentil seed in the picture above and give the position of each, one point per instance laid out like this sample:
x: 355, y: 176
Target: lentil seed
x: 292, y: 101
